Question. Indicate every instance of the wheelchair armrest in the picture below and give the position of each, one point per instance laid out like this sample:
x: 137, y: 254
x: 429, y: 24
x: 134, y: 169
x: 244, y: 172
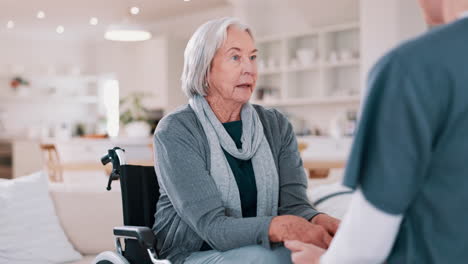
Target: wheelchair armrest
x: 143, y: 234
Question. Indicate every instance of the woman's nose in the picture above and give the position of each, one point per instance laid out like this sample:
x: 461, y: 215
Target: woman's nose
x: 249, y: 66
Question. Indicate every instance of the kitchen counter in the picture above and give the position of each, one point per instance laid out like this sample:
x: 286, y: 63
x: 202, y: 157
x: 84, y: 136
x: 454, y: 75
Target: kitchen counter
x: 76, y: 153
x: 114, y: 141
x: 323, y: 154
x: 326, y: 148
x: 320, y: 155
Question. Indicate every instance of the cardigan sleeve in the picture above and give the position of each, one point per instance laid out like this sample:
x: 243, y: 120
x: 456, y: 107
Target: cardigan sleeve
x: 182, y: 171
x: 292, y: 178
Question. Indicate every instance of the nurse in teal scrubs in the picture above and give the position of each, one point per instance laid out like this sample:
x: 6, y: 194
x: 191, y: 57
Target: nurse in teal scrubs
x: 409, y: 162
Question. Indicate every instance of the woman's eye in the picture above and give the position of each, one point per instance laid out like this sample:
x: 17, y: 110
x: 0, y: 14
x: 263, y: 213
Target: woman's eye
x: 236, y: 57
x: 253, y: 57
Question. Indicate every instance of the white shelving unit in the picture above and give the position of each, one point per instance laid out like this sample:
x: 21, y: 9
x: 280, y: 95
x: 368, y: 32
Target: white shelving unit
x: 56, y: 89
x: 320, y: 66
x: 53, y: 99
x: 51, y: 103
x: 309, y: 101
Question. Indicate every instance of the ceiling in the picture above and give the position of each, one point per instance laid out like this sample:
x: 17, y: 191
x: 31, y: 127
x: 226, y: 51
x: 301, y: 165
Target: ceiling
x: 74, y: 15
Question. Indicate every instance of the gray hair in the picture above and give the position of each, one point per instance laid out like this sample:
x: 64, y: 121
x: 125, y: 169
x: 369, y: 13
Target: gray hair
x: 201, y: 49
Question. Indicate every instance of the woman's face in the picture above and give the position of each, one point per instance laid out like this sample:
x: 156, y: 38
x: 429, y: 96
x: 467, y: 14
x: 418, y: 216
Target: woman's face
x: 233, y: 72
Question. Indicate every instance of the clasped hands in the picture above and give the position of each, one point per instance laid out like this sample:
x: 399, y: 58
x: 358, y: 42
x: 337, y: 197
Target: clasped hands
x: 307, y: 240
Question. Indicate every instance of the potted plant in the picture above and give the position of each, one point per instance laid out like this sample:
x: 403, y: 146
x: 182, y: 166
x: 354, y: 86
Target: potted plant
x: 19, y: 86
x: 134, y: 116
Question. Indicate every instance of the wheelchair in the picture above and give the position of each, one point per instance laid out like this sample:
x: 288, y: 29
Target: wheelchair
x: 140, y: 193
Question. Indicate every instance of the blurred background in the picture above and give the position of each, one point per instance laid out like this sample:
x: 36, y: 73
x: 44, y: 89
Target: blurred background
x: 79, y: 77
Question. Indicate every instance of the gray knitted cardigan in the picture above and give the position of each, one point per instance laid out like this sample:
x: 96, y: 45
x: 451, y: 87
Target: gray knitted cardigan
x: 189, y: 210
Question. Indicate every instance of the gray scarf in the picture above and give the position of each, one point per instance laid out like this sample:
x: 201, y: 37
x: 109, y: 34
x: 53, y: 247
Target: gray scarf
x: 254, y: 146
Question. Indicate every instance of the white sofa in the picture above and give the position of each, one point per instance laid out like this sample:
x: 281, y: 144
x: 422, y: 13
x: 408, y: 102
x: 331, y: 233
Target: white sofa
x: 88, y: 215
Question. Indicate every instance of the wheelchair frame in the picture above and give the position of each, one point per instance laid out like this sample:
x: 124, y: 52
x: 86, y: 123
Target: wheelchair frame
x: 142, y: 234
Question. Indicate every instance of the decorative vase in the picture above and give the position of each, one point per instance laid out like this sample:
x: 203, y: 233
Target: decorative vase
x: 137, y: 129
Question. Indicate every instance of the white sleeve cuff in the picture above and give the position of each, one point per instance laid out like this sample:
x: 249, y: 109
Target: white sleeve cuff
x: 366, y: 234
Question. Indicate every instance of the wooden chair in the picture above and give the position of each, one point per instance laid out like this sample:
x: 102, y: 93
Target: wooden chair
x: 52, y: 162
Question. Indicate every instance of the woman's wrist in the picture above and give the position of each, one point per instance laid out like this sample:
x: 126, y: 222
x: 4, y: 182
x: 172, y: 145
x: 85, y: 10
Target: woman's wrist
x: 275, y: 232
x: 314, y: 218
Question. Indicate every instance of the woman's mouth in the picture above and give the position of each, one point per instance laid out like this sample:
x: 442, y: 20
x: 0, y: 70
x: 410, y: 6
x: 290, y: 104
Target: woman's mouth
x: 244, y: 85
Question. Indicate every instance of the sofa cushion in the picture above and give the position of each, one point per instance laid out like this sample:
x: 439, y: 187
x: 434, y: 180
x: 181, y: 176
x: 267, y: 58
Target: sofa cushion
x: 88, y: 215
x: 29, y: 229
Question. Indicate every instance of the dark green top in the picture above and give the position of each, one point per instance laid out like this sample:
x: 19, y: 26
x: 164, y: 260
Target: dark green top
x: 410, y: 154
x: 244, y: 174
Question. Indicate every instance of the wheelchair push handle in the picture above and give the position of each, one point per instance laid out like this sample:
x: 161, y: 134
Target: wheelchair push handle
x: 115, y: 156
x: 106, y: 159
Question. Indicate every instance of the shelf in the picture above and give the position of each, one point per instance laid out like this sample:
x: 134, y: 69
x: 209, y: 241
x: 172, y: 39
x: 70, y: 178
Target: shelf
x: 270, y: 72
x: 312, y: 32
x: 348, y: 63
x: 49, y: 99
x: 355, y: 99
x: 340, y: 27
x: 313, y: 67
x: 308, y: 83
x: 35, y: 77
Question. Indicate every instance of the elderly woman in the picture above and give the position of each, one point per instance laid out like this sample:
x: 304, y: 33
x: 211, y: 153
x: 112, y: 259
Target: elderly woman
x: 232, y: 182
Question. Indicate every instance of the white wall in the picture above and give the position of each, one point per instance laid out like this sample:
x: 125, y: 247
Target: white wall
x: 385, y: 24
x: 271, y: 17
x: 152, y: 67
x: 30, y: 59
x: 118, y: 58
x: 184, y: 26
x: 175, y: 64
x: 38, y: 55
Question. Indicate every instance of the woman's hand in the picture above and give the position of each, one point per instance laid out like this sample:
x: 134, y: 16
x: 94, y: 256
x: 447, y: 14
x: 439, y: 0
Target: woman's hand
x: 302, y: 253
x: 330, y: 224
x: 290, y: 227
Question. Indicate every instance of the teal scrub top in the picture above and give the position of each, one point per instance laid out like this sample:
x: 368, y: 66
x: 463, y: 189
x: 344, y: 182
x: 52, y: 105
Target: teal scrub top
x: 410, y: 153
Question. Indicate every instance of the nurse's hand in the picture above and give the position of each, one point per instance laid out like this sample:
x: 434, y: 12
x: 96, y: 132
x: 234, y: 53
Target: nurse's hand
x: 290, y: 227
x: 302, y: 253
x: 330, y: 224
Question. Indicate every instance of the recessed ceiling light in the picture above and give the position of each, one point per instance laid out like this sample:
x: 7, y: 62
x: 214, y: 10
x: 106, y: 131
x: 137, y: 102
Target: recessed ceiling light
x: 60, y: 29
x: 93, y: 21
x: 135, y: 10
x: 40, y: 15
x: 186, y: 0
x: 10, y: 24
